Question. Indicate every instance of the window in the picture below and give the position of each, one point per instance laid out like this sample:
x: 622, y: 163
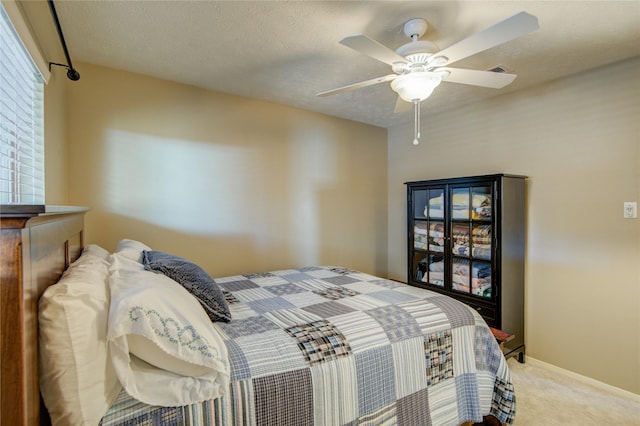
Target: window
x: 21, y: 121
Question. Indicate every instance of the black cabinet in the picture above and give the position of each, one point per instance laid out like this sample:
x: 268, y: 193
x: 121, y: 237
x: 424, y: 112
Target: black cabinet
x: 466, y: 240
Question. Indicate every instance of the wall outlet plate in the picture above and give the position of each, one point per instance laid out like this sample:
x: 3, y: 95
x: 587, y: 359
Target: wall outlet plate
x: 630, y: 209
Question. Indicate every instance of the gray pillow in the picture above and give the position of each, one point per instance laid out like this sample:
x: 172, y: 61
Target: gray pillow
x: 193, y: 278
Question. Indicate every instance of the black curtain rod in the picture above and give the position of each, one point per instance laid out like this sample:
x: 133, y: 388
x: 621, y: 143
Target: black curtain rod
x: 71, y: 73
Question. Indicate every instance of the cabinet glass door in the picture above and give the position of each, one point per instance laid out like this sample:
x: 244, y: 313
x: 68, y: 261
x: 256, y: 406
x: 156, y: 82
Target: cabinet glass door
x: 429, y: 236
x: 481, y: 279
x: 435, y: 258
x: 420, y: 235
x: 430, y: 269
x: 481, y: 202
x: 419, y: 197
x: 460, y: 277
x: 460, y: 237
x: 436, y: 237
x: 471, y: 240
x: 471, y: 277
x: 429, y: 250
x: 481, y: 241
x: 434, y: 208
x: 460, y: 203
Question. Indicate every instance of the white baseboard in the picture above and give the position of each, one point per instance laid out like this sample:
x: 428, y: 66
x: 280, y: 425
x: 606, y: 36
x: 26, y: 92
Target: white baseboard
x: 584, y: 379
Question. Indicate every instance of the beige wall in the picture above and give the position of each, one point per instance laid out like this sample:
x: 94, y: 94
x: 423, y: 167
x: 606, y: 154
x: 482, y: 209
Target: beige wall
x: 235, y: 184
x: 578, y: 140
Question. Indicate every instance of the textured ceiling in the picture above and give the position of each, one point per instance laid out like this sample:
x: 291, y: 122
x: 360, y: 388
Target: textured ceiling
x: 287, y: 51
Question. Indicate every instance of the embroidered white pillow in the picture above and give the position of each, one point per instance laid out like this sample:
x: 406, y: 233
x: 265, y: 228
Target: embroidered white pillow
x: 77, y: 381
x: 163, y: 346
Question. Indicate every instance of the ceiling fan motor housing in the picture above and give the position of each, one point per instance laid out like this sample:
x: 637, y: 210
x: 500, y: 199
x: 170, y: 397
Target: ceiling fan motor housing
x: 413, y: 47
x: 417, y: 53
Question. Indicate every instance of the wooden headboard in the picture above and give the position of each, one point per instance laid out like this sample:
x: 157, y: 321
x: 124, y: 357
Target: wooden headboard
x: 37, y: 243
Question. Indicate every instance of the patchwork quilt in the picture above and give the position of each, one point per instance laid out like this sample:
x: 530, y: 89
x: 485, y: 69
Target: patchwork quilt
x: 333, y: 346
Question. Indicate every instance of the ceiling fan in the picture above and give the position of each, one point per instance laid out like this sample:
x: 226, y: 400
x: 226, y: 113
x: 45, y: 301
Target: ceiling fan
x: 419, y: 66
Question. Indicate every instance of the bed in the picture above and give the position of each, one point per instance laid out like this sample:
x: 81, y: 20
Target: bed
x: 137, y: 336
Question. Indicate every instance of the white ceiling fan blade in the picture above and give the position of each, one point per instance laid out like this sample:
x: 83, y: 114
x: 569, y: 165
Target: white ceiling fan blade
x: 494, y: 80
x: 358, y: 85
x: 502, y: 32
x: 402, y: 106
x: 372, y: 48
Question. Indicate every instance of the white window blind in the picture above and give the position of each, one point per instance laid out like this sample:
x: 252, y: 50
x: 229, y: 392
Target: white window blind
x: 21, y: 121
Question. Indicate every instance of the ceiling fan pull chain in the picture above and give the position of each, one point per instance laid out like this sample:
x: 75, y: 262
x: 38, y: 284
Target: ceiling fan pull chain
x: 416, y: 133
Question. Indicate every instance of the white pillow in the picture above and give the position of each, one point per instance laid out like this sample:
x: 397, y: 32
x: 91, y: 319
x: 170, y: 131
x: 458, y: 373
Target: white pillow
x: 131, y: 249
x: 77, y: 380
x: 96, y: 251
x: 163, y: 346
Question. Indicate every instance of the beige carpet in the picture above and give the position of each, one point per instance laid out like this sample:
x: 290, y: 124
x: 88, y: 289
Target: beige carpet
x: 548, y: 398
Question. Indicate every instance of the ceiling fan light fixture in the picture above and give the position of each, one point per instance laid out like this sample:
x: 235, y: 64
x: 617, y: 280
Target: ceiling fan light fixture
x: 416, y: 86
